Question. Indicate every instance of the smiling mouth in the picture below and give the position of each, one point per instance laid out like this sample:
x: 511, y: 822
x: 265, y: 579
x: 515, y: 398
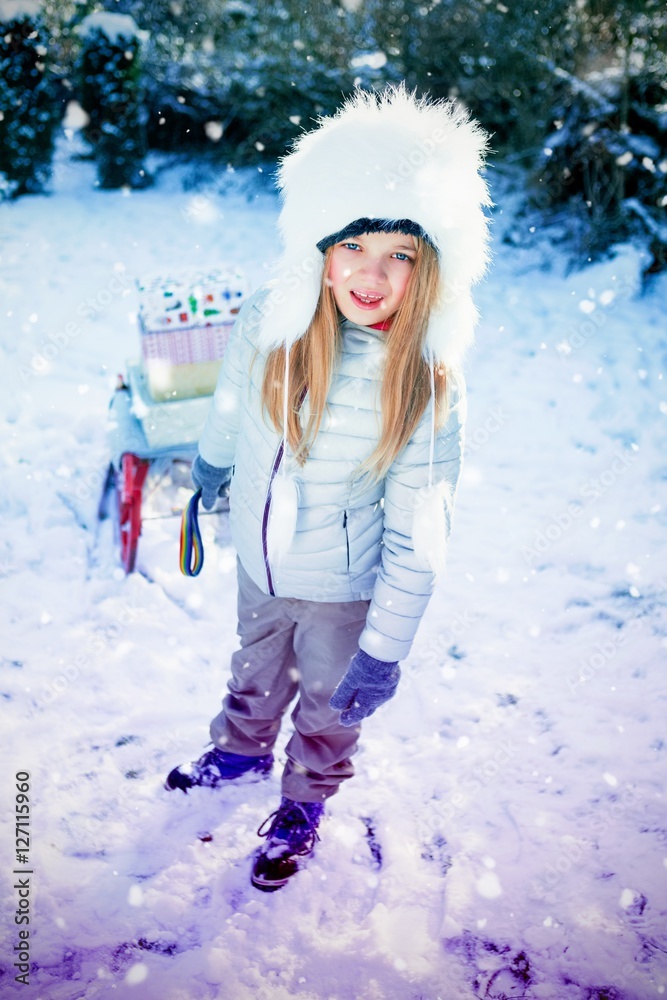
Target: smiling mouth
x: 367, y: 300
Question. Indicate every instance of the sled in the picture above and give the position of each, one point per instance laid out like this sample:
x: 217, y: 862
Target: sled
x: 157, y: 413
x: 149, y: 442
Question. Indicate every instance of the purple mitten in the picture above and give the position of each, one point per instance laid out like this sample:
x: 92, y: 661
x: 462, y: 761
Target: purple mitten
x: 210, y: 480
x: 367, y: 684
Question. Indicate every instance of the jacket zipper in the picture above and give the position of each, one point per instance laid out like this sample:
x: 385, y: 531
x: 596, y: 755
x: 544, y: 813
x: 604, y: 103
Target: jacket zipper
x: 265, y: 519
x: 347, y: 538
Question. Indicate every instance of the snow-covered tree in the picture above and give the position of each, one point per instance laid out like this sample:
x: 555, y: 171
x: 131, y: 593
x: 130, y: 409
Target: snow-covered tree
x: 29, y: 108
x: 489, y: 56
x: 110, y: 92
x: 247, y: 75
x: 239, y: 77
x: 606, y: 157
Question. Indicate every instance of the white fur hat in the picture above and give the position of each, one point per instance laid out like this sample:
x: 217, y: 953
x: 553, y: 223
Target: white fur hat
x: 388, y: 156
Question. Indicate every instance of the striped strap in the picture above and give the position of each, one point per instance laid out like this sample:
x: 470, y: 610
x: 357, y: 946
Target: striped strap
x: 192, y: 549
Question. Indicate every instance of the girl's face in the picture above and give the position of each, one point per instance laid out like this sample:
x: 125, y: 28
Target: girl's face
x: 369, y: 275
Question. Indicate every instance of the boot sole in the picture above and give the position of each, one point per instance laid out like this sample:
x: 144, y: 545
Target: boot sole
x: 266, y: 884
x: 270, y: 886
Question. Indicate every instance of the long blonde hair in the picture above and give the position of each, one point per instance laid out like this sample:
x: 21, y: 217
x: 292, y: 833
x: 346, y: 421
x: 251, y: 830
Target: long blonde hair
x: 405, y: 391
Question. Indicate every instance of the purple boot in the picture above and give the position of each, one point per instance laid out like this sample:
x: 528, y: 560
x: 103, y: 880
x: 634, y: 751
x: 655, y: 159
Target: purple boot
x: 290, y: 838
x: 217, y: 767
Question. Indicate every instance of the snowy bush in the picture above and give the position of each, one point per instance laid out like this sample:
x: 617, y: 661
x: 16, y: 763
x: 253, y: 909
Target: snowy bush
x: 243, y: 79
x: 110, y: 92
x: 598, y: 175
x: 240, y: 79
x: 29, y: 110
x: 606, y: 162
x: 491, y: 56
x: 7, y: 187
x: 596, y: 156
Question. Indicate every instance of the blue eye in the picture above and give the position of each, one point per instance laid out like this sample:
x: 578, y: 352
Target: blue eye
x: 350, y: 246
x: 402, y: 256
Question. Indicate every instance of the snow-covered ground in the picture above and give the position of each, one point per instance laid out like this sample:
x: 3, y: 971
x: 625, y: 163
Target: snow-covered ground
x: 505, y: 834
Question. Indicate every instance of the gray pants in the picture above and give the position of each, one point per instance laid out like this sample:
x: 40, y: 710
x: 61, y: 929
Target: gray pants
x: 291, y: 647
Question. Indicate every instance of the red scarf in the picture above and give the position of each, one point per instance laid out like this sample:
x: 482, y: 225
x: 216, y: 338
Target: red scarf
x: 384, y: 324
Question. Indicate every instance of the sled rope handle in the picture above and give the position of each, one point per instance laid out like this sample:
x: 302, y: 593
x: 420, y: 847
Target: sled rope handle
x: 192, y: 548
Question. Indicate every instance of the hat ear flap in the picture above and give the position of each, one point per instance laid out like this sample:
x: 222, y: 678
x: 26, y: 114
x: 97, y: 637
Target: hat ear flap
x: 291, y: 301
x: 451, y: 329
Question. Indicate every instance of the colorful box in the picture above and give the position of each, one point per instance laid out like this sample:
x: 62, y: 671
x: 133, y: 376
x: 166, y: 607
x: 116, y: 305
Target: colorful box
x: 185, y: 320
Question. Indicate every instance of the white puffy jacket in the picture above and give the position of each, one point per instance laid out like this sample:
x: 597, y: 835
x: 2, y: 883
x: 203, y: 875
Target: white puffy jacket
x: 352, y: 541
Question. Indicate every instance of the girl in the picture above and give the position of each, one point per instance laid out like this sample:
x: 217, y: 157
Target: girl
x: 337, y: 427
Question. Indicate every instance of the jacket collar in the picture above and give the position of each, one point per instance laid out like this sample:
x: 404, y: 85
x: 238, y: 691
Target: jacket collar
x: 369, y: 334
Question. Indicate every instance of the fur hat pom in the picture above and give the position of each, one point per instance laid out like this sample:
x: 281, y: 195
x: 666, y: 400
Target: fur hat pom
x: 385, y: 156
x: 429, y: 525
x: 282, y: 516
